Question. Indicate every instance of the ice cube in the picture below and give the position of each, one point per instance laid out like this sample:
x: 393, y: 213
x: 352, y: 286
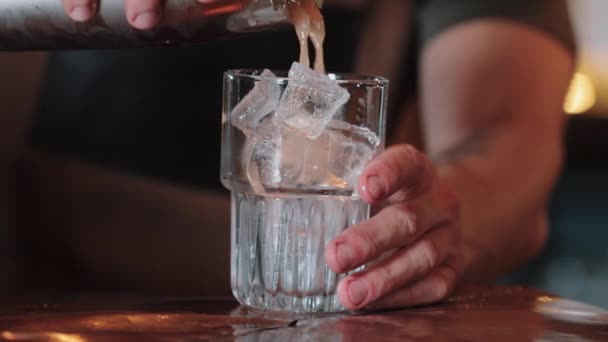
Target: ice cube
x: 336, y: 158
x: 262, y: 100
x: 310, y: 101
x: 273, y: 156
x: 351, y: 148
x: 261, y: 156
x: 333, y: 161
x: 281, y: 157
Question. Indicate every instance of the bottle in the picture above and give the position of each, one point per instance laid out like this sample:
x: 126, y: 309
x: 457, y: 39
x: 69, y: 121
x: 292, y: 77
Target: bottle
x: 43, y: 24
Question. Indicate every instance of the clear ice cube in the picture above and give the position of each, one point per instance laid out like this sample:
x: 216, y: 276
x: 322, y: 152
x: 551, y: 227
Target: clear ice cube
x: 351, y: 148
x: 281, y: 157
x: 261, y: 156
x: 310, y: 101
x: 274, y: 156
x: 262, y: 100
x: 338, y: 156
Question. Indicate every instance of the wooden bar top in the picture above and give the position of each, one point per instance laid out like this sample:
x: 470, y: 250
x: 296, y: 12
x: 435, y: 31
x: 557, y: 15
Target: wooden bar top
x: 495, y: 315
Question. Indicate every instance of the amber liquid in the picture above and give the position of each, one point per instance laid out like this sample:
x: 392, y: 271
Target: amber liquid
x: 309, y: 25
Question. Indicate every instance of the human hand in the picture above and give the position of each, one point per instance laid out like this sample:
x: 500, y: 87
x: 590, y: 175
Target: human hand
x: 141, y: 14
x: 411, y: 247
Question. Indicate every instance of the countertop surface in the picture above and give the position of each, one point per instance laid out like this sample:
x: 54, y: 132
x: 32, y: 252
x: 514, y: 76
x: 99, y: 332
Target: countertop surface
x: 481, y: 314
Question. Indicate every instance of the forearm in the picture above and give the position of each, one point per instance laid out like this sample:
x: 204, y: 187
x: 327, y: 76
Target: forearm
x: 493, y: 126
x: 503, y: 188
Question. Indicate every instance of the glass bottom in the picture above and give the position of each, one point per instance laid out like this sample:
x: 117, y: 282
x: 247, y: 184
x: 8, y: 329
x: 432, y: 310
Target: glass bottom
x: 278, y: 249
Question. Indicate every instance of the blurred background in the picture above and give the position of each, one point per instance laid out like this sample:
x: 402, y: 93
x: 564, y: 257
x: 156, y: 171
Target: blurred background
x: 53, y: 208
x: 575, y: 262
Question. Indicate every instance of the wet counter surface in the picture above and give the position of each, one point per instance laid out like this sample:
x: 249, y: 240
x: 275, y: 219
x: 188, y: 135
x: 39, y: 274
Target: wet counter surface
x: 497, y: 314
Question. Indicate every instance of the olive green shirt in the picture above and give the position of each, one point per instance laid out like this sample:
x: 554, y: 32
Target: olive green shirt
x: 549, y: 16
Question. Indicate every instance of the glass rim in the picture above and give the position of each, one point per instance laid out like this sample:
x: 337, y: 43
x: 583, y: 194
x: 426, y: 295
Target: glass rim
x: 341, y: 78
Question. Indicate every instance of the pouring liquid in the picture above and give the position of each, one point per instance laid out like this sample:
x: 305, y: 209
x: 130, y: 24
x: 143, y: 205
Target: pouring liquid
x: 309, y: 24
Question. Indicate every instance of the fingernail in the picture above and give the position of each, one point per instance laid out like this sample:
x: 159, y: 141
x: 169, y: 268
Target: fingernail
x: 375, y: 187
x: 82, y: 12
x: 146, y: 20
x: 344, y: 256
x: 357, y: 291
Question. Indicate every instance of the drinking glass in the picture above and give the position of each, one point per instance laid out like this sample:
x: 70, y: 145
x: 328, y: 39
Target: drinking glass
x: 292, y: 194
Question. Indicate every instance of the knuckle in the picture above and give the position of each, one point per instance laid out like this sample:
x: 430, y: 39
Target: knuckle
x: 414, y: 157
x: 406, y: 151
x: 405, y: 155
x: 371, y: 242
x: 406, y: 221
x: 428, y: 255
x: 446, y: 279
x: 421, y: 171
x: 387, y: 282
x: 452, y: 271
x: 441, y: 289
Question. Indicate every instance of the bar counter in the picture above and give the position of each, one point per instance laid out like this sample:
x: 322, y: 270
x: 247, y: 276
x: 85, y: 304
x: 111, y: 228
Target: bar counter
x: 480, y: 314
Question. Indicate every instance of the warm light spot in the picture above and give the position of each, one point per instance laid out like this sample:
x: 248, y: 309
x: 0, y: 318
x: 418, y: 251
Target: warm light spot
x: 581, y: 95
x: 44, y: 336
x: 65, y: 337
x: 545, y: 299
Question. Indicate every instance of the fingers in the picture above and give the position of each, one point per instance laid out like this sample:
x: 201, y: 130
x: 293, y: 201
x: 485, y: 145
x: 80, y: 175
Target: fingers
x: 143, y: 14
x: 401, y: 172
x: 80, y: 10
x: 406, y: 265
x: 433, y: 288
x: 393, y: 227
x: 419, y: 225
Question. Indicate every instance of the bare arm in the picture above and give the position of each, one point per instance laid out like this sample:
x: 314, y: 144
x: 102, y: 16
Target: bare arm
x: 491, y: 98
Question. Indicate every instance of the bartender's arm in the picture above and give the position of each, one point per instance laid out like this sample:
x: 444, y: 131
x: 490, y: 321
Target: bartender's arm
x: 475, y: 206
x: 494, y: 124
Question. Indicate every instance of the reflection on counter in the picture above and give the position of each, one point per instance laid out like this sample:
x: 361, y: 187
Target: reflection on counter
x: 478, y: 314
